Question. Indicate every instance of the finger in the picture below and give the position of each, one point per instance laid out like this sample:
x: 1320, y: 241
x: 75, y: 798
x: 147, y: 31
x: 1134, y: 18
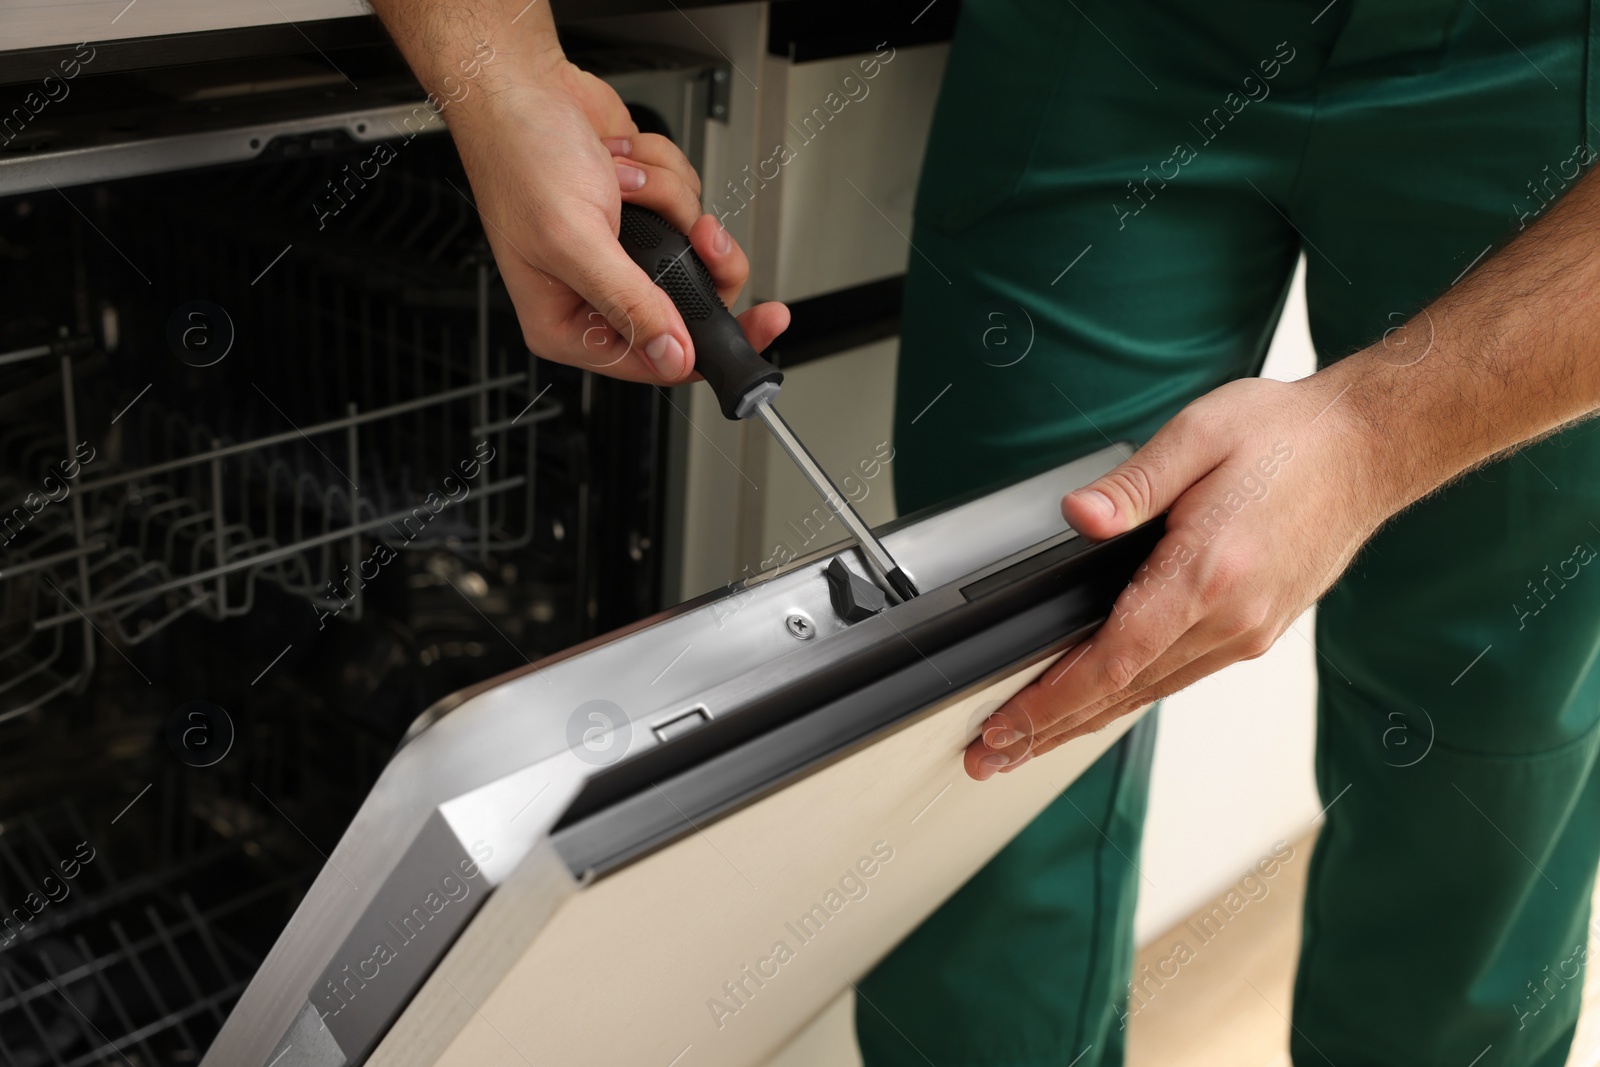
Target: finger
x: 598, y: 270
x: 722, y: 256
x: 617, y: 352
x: 982, y: 762
x: 657, y: 151
x: 1015, y: 719
x: 1210, y: 644
x: 608, y: 352
x: 1198, y: 642
x: 1226, y: 634
x: 1115, y: 657
x: 1147, y: 482
x: 1095, y: 725
x: 1189, y: 647
x: 630, y: 179
x: 660, y: 190
x: 605, y: 350
x: 1251, y: 646
x: 1111, y: 715
x: 763, y: 323
x: 1099, y: 719
x: 603, y: 107
x: 559, y: 325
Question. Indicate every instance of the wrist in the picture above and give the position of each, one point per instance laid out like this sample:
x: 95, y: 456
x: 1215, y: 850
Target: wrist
x: 1359, y: 426
x: 464, y: 63
x: 512, y: 87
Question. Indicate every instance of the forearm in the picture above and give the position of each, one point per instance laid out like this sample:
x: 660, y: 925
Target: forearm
x: 1506, y: 356
x: 464, y: 52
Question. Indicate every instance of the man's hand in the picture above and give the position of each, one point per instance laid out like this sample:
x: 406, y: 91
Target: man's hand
x: 552, y: 153
x: 1271, y: 487
x: 1264, y: 513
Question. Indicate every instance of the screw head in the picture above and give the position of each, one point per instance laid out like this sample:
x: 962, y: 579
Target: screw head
x: 801, y: 627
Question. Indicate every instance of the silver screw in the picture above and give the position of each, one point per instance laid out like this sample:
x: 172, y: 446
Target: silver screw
x: 801, y: 627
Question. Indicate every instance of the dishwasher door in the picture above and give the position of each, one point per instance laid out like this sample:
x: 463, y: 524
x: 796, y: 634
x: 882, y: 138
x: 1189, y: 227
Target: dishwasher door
x: 718, y: 948
x: 685, y: 838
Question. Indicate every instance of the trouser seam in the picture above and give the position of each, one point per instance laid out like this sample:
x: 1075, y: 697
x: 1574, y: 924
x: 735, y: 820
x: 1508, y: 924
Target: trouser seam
x: 1292, y: 197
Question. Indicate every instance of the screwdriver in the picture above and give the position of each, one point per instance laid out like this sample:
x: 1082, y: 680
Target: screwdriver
x: 745, y: 384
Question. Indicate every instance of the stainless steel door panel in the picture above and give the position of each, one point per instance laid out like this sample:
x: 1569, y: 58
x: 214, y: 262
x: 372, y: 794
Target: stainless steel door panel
x: 497, y: 769
x: 714, y: 950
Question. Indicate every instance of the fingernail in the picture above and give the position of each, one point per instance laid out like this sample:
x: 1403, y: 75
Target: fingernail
x: 1001, y: 736
x: 618, y: 146
x: 667, y: 355
x: 1026, y: 756
x: 996, y: 760
x: 723, y: 241
x: 629, y: 178
x: 1097, y: 502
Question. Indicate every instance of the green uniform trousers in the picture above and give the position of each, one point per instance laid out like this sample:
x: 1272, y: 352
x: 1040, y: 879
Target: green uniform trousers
x: 1111, y: 208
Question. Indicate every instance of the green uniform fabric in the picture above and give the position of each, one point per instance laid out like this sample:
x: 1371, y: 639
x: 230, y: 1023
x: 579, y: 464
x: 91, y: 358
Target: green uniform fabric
x: 1112, y: 204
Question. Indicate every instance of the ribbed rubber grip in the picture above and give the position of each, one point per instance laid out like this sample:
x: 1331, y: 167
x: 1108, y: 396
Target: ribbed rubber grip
x: 721, y: 353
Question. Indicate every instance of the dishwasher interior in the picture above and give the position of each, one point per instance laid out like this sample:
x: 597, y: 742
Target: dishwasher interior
x: 271, y: 483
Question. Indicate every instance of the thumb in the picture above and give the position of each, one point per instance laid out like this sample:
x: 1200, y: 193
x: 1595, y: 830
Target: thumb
x: 632, y: 303
x: 1141, y: 486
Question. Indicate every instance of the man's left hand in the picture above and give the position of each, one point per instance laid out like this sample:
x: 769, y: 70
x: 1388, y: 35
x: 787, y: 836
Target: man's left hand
x: 1270, y: 492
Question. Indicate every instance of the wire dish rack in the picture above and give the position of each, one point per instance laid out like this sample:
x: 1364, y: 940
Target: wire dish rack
x: 159, y: 507
x: 92, y: 954
x: 271, y: 443
x: 129, y: 926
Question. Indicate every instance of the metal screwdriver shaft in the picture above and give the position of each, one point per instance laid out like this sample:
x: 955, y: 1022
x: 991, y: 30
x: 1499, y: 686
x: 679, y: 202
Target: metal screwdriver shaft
x: 885, y: 569
x: 745, y: 383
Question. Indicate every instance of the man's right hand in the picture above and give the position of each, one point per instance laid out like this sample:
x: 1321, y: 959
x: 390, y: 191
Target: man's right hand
x: 552, y: 153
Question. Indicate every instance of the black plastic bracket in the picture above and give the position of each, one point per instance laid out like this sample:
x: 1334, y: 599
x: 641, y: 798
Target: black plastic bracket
x: 854, y: 598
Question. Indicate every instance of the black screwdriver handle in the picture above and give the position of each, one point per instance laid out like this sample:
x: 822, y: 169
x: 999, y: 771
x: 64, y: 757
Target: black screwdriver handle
x: 721, y: 353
